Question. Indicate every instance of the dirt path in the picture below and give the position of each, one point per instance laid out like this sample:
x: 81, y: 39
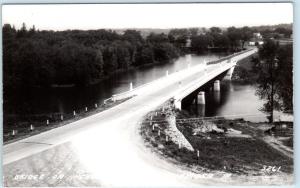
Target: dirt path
x: 276, y: 144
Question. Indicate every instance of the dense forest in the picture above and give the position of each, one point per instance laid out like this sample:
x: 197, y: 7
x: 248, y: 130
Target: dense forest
x: 43, y: 58
x: 34, y: 58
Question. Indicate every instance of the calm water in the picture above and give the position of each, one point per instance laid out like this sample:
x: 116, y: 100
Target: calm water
x: 233, y: 98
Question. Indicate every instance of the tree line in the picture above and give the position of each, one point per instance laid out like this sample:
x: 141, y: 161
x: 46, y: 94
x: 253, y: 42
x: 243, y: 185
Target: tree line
x: 33, y: 58
x: 43, y: 58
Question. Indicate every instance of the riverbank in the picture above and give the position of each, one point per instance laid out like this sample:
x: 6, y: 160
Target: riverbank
x: 243, y: 71
x: 235, y: 147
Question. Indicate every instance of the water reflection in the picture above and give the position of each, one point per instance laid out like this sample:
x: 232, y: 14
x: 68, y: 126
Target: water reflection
x: 234, y: 99
x: 217, y: 97
x: 65, y: 100
x: 200, y: 110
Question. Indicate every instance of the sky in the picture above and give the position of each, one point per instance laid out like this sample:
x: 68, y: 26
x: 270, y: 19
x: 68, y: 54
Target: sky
x: 96, y: 16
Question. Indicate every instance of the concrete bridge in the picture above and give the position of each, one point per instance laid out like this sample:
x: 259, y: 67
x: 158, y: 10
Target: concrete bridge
x: 208, y: 75
x: 107, y: 146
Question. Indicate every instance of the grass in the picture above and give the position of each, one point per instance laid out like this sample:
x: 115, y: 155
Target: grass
x: 238, y: 155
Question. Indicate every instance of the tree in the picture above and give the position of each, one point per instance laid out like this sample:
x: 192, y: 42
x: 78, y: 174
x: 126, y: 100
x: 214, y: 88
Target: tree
x: 285, y: 31
x: 23, y: 31
x: 157, y: 38
x: 145, y: 55
x: 216, y: 30
x: 132, y: 36
x: 274, y: 83
x: 234, y: 36
x: 285, y: 78
x: 200, y: 43
x: 246, y: 34
x: 193, y: 31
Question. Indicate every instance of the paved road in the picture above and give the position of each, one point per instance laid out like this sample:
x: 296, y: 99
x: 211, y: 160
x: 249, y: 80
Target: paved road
x: 101, y: 150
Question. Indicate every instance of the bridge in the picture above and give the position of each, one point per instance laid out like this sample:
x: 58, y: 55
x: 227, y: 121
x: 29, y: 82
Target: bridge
x: 205, y: 75
x: 107, y: 145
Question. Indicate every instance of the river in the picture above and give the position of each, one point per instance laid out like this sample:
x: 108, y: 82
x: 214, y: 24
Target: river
x: 233, y: 99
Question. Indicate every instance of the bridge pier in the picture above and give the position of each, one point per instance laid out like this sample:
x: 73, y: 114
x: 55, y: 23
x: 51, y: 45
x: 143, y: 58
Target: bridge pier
x: 201, y: 97
x: 217, y: 85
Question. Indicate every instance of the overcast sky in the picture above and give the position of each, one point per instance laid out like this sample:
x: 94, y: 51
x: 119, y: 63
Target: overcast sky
x: 91, y: 16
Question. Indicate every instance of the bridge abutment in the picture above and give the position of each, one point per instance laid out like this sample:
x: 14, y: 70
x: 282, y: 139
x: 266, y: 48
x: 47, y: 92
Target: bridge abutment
x: 177, y: 104
x: 229, y: 74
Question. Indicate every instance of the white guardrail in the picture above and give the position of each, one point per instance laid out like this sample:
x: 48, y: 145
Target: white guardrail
x: 177, y: 76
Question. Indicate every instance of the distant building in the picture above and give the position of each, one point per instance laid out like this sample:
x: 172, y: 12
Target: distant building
x: 257, y: 35
x: 188, y: 43
x: 255, y: 42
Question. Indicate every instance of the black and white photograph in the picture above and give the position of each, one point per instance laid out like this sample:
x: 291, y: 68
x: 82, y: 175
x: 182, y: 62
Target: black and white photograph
x: 148, y: 94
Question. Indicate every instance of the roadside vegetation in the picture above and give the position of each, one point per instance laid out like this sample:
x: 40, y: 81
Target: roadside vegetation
x: 234, y: 146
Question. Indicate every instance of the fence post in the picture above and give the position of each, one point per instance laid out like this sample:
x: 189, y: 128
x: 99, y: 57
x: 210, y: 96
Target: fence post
x: 31, y: 127
x: 130, y: 86
x: 74, y: 113
x: 47, y: 121
x: 179, y: 145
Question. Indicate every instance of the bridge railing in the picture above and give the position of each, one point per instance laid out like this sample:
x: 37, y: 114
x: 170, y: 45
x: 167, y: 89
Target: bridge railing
x: 228, y: 57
